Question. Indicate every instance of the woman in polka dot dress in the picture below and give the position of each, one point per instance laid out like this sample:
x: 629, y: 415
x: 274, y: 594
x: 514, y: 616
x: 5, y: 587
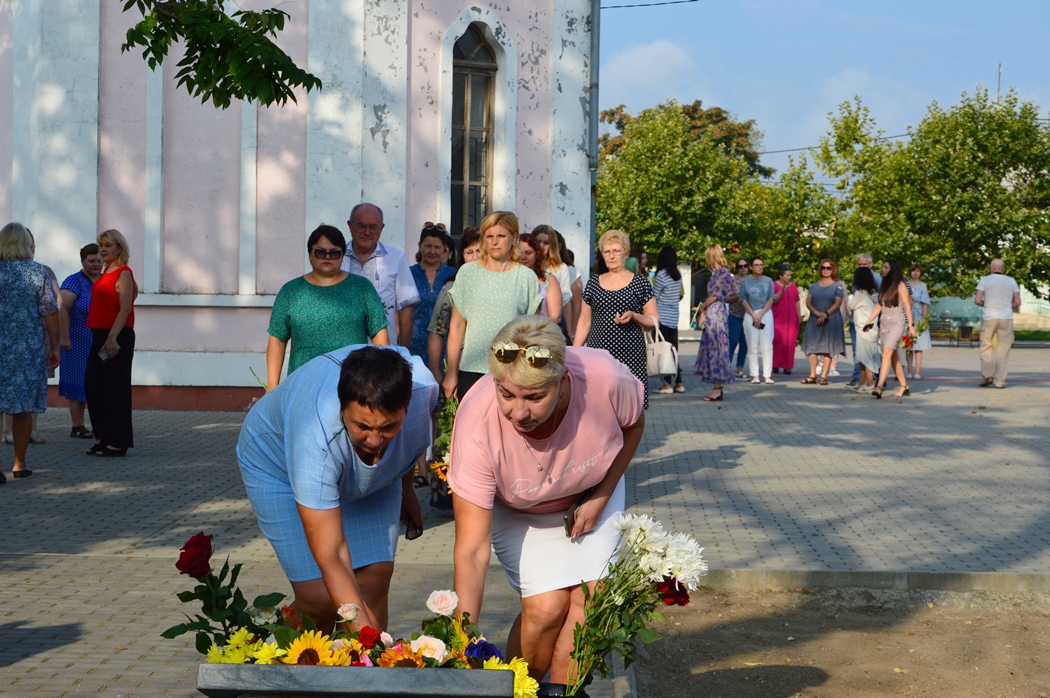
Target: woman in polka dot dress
x: 616, y: 306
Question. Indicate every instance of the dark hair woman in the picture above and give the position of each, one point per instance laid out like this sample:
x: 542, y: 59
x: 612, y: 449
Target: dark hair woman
x: 669, y: 292
x: 866, y: 353
x: 323, y: 310
x: 75, y: 337
x: 787, y: 316
x: 326, y: 462
x: 430, y: 275
x: 532, y: 253
x: 894, y: 307
x: 437, y: 329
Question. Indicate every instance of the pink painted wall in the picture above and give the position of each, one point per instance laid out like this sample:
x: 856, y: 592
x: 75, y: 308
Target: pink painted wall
x: 7, y: 126
x: 529, y: 26
x: 281, y: 173
x: 202, y: 190
x: 182, y: 329
x: 121, y: 135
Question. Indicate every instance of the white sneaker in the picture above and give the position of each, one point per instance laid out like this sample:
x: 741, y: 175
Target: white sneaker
x: 834, y: 374
x: 820, y: 369
x: 863, y: 389
x: 769, y: 381
x: 755, y: 381
x: 666, y: 390
x: 679, y: 388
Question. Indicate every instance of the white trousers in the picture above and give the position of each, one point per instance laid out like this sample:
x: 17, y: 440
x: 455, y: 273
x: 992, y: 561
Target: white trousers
x: 759, y: 343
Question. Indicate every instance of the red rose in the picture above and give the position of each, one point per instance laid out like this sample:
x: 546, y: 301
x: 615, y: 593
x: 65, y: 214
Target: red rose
x: 672, y: 593
x: 196, y: 556
x: 368, y: 637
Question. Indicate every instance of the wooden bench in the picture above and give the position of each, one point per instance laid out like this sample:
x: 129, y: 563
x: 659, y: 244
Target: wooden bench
x: 942, y: 329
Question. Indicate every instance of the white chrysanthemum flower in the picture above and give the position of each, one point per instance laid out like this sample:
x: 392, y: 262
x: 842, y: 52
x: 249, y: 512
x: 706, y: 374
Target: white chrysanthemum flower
x: 262, y: 616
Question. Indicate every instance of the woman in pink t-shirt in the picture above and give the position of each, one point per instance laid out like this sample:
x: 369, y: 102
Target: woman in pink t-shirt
x: 546, y: 427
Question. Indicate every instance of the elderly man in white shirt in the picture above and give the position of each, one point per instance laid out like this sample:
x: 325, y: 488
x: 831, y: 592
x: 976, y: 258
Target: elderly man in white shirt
x: 1000, y: 296
x: 386, y: 267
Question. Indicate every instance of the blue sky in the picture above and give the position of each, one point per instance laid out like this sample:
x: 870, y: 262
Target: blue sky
x: 787, y: 63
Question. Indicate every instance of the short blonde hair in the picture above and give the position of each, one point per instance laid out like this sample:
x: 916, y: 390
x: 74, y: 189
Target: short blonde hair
x: 16, y: 242
x: 715, y: 257
x: 114, y: 235
x: 611, y: 236
x: 527, y: 331
x: 509, y: 221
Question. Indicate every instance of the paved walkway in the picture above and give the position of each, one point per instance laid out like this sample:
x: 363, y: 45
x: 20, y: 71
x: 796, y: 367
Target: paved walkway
x: 784, y: 477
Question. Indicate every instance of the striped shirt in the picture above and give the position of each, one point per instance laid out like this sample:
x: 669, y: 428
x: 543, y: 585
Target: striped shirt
x: 668, y: 293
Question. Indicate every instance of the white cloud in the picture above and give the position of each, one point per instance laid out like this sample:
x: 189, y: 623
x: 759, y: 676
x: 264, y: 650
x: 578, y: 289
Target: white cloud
x: 644, y: 75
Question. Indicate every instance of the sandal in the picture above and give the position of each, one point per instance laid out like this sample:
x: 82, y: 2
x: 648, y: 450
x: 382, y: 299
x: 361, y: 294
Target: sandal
x: 35, y: 438
x: 808, y: 381
x: 419, y: 481
x: 80, y: 433
x: 709, y: 398
x: 823, y: 380
x: 95, y: 449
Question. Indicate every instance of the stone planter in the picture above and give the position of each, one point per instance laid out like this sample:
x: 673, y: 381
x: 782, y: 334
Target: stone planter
x: 254, y: 680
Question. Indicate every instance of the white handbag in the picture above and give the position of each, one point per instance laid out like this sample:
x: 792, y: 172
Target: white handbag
x: 661, y: 357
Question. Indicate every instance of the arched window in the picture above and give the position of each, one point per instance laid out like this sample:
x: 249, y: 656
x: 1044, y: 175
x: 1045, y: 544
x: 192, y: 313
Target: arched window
x: 473, y: 73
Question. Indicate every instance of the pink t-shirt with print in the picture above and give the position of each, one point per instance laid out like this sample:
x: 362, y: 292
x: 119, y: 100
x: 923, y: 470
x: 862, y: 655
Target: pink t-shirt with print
x: 489, y: 459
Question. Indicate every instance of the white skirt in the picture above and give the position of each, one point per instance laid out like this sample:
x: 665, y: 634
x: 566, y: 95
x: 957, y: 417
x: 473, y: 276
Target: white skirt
x: 537, y: 555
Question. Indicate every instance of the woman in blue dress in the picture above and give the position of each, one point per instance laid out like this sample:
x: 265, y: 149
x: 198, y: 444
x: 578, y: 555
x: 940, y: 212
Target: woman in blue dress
x: 75, y: 339
x: 430, y: 276
x: 326, y: 458
x: 28, y: 346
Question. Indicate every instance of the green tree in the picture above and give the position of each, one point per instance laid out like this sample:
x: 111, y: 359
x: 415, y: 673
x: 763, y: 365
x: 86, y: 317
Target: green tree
x: 737, y: 138
x: 661, y: 185
x: 227, y: 56
x: 971, y: 184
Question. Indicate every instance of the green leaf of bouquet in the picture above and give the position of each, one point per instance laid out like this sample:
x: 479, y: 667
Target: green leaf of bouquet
x: 203, y: 642
x: 284, y: 635
x: 308, y: 624
x: 646, y: 635
x: 187, y: 596
x: 175, y: 630
x: 235, y: 573
x: 268, y: 600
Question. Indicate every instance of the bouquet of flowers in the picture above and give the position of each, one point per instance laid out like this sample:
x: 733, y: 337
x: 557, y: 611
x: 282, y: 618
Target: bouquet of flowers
x: 653, y: 567
x: 446, y: 417
x: 907, y: 341
x: 264, y: 634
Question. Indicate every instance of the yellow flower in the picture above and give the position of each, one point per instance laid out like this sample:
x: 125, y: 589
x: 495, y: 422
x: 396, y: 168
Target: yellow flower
x: 309, y: 648
x: 215, y: 655
x: 241, y: 638
x: 400, y: 655
x: 266, y: 653
x: 461, y: 638
x: 524, y: 685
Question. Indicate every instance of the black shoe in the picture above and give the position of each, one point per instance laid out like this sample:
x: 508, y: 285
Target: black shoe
x: 80, y: 433
x: 19, y: 474
x: 108, y: 452
x: 95, y: 449
x: 776, y: 370
x: 877, y: 393
x: 853, y: 384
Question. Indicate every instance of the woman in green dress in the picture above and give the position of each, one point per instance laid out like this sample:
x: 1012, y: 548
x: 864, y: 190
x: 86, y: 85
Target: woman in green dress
x: 323, y: 310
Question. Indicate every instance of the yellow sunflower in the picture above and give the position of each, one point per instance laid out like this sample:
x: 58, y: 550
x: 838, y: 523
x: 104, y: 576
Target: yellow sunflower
x: 309, y: 648
x: 400, y: 655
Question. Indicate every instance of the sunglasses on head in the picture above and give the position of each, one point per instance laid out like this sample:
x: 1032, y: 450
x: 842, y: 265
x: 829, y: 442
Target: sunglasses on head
x: 430, y: 225
x: 506, y: 352
x: 327, y: 254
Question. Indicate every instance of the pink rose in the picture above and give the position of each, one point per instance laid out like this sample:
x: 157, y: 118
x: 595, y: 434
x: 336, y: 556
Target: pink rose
x: 429, y: 647
x: 443, y: 603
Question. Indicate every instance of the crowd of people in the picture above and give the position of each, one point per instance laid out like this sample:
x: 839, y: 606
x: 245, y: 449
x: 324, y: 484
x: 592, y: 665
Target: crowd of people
x: 85, y: 324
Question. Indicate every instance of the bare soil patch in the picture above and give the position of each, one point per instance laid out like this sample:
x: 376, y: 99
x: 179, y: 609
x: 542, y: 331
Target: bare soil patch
x: 850, y: 642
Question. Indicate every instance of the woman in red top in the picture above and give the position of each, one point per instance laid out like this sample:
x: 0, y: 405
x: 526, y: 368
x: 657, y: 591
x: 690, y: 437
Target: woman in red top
x: 111, y: 319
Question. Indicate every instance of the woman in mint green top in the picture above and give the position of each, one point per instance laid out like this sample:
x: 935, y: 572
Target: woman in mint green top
x: 487, y: 295
x: 324, y: 310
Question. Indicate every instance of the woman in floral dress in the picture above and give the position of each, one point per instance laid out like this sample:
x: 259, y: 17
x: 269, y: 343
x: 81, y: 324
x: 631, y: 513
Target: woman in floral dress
x: 712, y: 360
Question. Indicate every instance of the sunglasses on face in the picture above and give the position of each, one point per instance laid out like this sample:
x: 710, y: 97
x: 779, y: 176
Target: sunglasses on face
x: 741, y: 266
x: 507, y: 352
x: 429, y: 225
x: 327, y: 254
x: 827, y: 268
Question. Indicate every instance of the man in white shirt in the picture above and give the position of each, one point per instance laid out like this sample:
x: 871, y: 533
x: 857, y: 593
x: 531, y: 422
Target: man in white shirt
x: 386, y: 267
x: 1000, y: 296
